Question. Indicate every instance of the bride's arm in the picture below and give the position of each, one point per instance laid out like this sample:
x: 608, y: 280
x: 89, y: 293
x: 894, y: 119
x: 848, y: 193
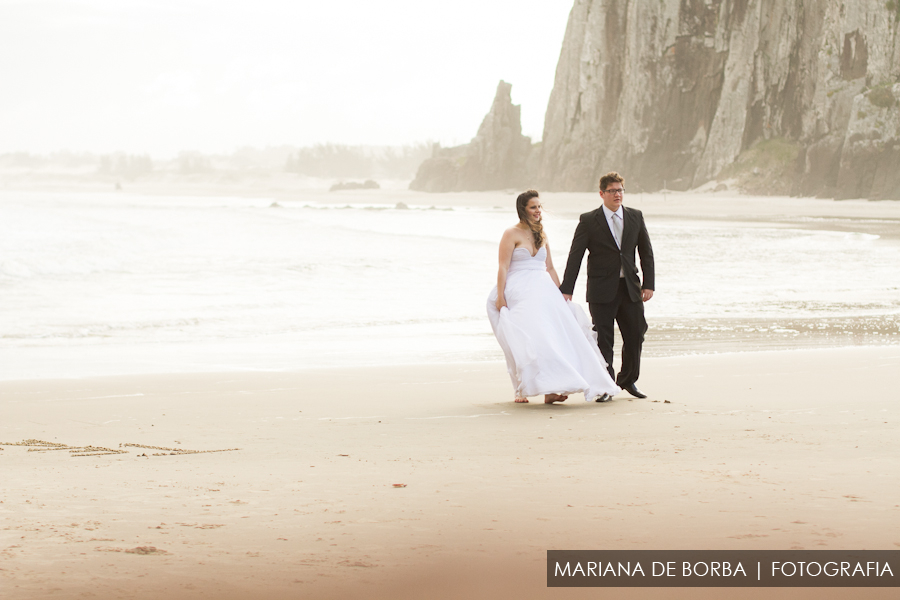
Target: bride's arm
x: 507, y: 245
x: 550, y: 269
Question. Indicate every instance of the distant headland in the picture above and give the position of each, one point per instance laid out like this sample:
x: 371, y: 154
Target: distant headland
x: 788, y: 97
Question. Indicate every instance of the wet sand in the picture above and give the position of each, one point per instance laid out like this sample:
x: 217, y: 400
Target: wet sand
x: 428, y: 482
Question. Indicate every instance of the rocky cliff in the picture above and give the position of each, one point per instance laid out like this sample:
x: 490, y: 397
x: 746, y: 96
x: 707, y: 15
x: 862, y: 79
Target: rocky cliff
x: 777, y: 96
x: 494, y: 159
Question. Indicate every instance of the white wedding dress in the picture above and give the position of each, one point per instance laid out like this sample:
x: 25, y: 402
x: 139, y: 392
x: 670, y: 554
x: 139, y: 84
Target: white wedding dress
x: 549, y: 343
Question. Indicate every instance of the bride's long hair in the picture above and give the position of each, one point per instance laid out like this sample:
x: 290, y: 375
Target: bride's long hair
x: 536, y: 227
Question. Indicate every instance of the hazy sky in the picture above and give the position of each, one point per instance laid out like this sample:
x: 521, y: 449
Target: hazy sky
x: 161, y: 76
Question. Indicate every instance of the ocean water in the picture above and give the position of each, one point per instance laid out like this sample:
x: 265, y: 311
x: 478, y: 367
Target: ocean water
x: 103, y: 284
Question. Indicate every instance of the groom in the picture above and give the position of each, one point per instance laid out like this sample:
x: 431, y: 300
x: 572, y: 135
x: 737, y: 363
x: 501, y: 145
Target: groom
x: 611, y: 234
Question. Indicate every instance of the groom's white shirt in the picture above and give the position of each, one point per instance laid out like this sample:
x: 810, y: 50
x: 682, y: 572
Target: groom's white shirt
x: 609, y: 217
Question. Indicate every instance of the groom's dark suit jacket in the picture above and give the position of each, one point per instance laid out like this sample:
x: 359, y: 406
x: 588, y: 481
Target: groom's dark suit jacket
x: 605, y: 259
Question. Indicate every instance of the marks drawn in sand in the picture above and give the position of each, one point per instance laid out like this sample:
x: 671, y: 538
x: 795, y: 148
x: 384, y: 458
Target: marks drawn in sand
x: 175, y: 451
x: 44, y: 446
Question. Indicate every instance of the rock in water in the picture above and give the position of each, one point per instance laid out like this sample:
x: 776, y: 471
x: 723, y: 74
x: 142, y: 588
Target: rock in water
x: 495, y: 159
x: 368, y: 184
x: 675, y: 94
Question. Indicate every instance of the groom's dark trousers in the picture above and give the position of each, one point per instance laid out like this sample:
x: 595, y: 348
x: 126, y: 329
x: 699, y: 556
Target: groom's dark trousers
x: 611, y: 297
x: 629, y: 315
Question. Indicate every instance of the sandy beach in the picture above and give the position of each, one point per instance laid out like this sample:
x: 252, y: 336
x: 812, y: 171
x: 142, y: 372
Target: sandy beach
x: 427, y: 481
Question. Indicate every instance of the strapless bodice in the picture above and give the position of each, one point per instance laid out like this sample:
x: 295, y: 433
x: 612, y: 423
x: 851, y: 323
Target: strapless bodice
x: 522, y: 260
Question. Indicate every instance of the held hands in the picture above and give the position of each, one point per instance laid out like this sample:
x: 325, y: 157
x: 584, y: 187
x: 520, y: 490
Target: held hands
x: 645, y: 295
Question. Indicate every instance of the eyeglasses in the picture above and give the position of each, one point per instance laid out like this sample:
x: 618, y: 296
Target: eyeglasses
x: 615, y: 191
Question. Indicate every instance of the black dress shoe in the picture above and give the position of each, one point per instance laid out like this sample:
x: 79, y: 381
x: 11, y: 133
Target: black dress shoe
x: 633, y: 390
x: 603, y: 398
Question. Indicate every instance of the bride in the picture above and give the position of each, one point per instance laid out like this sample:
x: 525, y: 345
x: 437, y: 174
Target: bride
x: 548, y: 342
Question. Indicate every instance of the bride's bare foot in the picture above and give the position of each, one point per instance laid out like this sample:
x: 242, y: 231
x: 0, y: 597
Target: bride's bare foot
x: 521, y: 400
x: 551, y: 398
